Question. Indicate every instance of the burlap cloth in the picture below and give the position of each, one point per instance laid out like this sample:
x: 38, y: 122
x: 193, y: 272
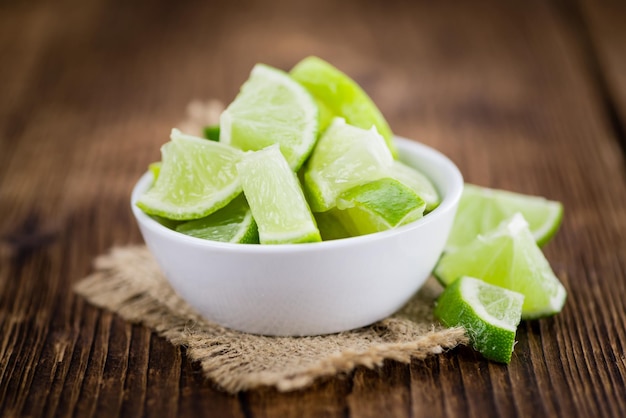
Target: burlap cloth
x: 129, y: 282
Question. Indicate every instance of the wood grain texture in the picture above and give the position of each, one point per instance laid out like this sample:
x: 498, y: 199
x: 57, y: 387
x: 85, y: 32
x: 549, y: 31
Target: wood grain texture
x: 527, y: 96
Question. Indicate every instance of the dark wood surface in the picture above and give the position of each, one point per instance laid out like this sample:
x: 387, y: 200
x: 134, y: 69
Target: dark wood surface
x: 527, y: 96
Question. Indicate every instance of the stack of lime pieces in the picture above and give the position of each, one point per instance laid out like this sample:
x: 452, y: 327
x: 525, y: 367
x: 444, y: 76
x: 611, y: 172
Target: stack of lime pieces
x: 304, y: 156
x: 506, y: 257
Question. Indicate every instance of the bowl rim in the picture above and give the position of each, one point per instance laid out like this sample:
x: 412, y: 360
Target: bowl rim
x: 447, y: 203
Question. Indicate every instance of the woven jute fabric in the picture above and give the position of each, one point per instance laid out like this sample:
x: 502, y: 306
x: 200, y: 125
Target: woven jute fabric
x: 128, y: 281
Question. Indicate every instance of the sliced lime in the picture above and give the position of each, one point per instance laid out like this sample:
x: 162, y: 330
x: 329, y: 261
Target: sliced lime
x: 482, y: 209
x: 338, y: 95
x: 508, y: 257
x: 272, y: 108
x: 276, y: 198
x: 489, y: 314
x: 344, y: 157
x: 378, y: 205
x: 232, y: 223
x: 417, y: 181
x: 197, y: 177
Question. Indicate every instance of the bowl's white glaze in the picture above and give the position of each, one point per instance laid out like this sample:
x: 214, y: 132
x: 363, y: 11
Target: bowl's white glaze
x: 309, y: 289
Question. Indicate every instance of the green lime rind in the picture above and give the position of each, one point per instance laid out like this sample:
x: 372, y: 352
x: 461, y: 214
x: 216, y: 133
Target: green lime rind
x: 489, y: 314
x: 339, y: 95
x: 378, y: 206
x: 272, y: 108
x: 417, y: 181
x: 345, y: 156
x: 508, y: 257
x: 482, y: 209
x: 155, y: 169
x: 233, y: 223
x: 197, y: 177
x: 276, y: 199
x: 212, y: 132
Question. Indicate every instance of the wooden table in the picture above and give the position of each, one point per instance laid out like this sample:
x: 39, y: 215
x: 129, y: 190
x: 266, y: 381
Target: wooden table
x: 526, y: 96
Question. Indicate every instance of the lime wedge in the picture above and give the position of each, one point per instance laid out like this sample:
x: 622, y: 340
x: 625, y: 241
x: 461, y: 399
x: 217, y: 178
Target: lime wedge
x: 489, y: 314
x: 338, y: 95
x: 417, y: 181
x: 378, y: 205
x: 344, y: 157
x: 272, y: 108
x: 482, y: 209
x: 197, y: 177
x: 276, y: 198
x: 232, y: 223
x: 508, y: 257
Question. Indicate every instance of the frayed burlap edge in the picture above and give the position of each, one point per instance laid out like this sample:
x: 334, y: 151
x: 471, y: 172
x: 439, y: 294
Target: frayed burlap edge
x: 128, y: 282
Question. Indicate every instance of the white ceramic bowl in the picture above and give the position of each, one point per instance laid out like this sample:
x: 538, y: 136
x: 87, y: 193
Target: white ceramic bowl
x: 309, y: 289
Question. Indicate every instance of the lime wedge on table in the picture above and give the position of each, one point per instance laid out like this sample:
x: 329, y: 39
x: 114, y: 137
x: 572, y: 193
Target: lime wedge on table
x: 489, y: 314
x: 232, y: 223
x: 508, y: 257
x: 197, y: 177
x: 276, y: 198
x: 338, y: 95
x: 272, y: 108
x: 482, y: 209
x: 417, y: 181
x: 378, y: 205
x: 344, y: 157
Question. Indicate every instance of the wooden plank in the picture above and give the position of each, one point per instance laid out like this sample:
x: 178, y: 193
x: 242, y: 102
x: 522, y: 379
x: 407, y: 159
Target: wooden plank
x: 604, y: 24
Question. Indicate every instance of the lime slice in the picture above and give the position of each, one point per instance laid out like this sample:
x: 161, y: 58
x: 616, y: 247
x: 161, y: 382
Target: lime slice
x: 276, y: 199
x: 417, y: 181
x: 489, y: 314
x: 232, y: 223
x: 378, y: 205
x: 197, y: 177
x: 330, y: 226
x: 508, y: 257
x: 338, y: 95
x: 272, y: 108
x: 344, y: 157
x: 482, y: 209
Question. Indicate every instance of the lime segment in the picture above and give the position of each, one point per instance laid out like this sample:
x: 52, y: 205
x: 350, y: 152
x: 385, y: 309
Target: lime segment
x: 482, y: 209
x: 489, y: 314
x: 344, y: 157
x: 272, y: 108
x: 197, y: 177
x: 378, y: 205
x: 338, y: 95
x: 508, y: 257
x: 232, y: 223
x: 276, y: 198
